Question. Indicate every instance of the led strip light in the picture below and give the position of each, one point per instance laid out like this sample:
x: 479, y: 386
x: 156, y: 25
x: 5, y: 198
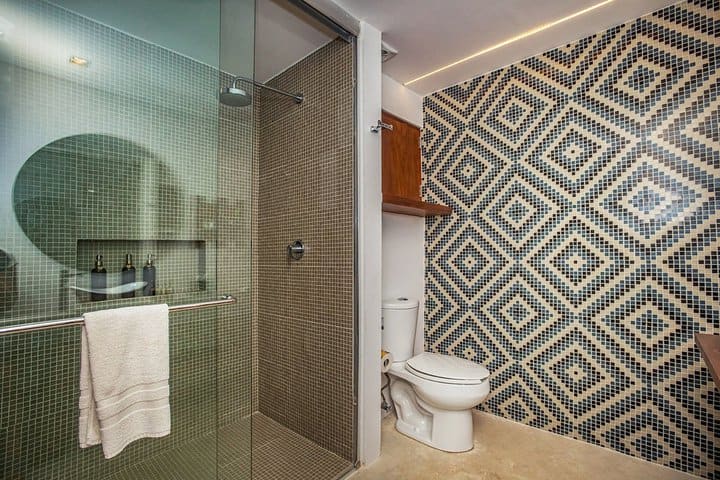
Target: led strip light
x: 511, y: 40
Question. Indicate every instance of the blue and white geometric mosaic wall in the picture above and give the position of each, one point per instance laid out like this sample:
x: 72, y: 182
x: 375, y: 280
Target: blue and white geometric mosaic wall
x: 583, y: 251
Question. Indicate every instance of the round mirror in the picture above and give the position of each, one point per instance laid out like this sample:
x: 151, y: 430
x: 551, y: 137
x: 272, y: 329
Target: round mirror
x: 94, y: 186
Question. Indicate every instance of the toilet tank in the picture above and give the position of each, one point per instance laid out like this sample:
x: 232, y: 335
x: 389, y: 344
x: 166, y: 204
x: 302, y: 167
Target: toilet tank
x: 399, y: 319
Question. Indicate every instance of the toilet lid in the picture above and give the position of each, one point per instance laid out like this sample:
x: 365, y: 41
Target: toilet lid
x: 446, y: 368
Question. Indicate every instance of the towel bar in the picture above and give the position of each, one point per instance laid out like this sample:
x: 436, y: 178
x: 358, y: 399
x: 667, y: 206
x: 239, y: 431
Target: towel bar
x: 72, y: 322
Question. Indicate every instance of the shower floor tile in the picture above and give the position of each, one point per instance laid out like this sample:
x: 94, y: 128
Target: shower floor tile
x: 278, y: 453
x: 193, y: 461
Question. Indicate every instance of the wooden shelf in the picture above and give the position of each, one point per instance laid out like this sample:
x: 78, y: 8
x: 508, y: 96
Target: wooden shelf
x: 418, y: 208
x: 709, y: 346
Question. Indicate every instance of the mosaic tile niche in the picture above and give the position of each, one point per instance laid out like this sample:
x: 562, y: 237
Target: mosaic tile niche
x: 124, y: 122
x: 584, y: 246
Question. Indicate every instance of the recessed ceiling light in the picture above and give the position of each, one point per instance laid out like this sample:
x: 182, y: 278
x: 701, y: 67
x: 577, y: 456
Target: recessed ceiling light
x: 511, y: 40
x: 75, y: 60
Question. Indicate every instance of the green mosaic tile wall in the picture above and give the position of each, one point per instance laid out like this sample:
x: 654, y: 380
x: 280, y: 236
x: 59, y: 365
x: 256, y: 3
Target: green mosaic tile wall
x: 139, y: 159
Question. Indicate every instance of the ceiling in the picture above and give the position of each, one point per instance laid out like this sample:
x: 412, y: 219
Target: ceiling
x: 234, y: 35
x: 42, y: 39
x: 429, y: 34
x: 190, y: 27
x: 283, y: 36
x: 217, y: 32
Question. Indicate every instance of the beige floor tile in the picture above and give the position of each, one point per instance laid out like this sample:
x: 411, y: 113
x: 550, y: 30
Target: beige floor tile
x: 507, y: 450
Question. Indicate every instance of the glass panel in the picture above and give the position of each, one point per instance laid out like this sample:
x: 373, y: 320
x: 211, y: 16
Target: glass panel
x: 235, y: 185
x: 110, y: 142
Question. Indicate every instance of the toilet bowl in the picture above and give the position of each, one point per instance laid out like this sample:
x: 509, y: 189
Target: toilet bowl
x: 433, y: 394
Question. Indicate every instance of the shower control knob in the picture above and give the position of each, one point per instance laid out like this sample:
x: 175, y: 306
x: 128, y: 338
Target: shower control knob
x: 296, y: 250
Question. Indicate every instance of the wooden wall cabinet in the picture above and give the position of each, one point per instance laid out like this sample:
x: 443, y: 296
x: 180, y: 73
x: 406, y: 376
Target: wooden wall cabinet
x: 401, y: 171
x: 709, y: 346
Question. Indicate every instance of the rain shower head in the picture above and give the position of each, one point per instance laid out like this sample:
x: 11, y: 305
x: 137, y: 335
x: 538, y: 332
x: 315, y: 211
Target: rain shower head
x: 234, y: 96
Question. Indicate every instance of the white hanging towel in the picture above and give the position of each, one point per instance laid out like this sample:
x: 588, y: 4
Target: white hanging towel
x: 124, y: 371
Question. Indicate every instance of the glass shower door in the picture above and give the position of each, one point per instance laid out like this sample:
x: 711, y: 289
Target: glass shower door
x: 236, y: 152
x: 110, y: 144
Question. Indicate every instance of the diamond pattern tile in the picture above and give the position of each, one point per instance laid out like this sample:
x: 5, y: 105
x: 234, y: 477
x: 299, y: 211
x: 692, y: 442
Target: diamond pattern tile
x: 583, y: 251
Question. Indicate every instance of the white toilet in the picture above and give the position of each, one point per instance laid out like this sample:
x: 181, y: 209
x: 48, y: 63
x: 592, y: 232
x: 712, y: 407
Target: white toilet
x: 433, y: 394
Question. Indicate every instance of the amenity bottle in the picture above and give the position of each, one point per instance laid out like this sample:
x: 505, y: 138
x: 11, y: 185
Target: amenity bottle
x: 149, y: 277
x: 98, y: 280
x: 127, y: 276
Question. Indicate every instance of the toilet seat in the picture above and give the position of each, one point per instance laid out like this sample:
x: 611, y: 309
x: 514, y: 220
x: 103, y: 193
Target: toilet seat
x: 446, y: 369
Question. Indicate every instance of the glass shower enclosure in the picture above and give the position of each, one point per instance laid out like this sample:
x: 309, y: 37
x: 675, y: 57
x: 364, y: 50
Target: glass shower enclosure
x: 110, y: 146
x: 115, y: 151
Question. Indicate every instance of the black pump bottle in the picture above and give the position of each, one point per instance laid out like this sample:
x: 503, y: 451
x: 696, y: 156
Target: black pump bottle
x: 98, y: 280
x: 128, y: 276
x: 149, y: 277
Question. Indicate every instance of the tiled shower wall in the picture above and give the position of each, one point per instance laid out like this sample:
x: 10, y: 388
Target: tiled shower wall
x: 305, y: 308
x: 582, y: 252
x: 146, y: 129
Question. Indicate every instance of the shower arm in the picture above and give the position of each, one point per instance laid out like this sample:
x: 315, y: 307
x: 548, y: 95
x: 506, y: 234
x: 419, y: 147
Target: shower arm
x: 298, y: 97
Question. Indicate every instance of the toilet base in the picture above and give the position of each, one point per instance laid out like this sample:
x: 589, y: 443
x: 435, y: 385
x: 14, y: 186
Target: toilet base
x: 448, y: 430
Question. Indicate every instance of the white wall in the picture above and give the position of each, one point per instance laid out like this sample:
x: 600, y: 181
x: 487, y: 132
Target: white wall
x: 369, y: 242
x: 401, y: 101
x: 403, y: 236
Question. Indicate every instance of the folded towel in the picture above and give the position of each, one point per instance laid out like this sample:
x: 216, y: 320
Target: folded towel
x: 124, y: 371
